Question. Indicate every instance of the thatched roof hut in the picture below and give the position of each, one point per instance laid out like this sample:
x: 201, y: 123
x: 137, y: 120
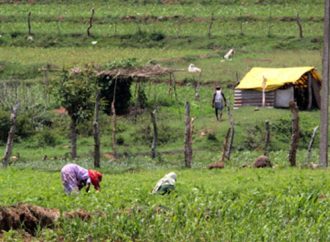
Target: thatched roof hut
x: 120, y: 79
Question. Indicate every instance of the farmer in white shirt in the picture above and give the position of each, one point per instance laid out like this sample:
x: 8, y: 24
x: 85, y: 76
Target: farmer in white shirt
x: 218, y: 102
x: 166, y: 184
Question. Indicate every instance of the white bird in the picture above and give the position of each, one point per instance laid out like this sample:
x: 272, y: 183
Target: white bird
x: 94, y: 42
x: 192, y: 68
x: 166, y: 184
x: 229, y: 54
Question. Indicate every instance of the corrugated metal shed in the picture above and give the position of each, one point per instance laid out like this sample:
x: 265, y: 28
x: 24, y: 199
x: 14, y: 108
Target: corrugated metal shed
x: 281, y: 85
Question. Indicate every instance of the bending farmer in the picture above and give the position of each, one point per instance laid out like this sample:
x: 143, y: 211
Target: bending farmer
x: 75, y: 177
x: 166, y: 184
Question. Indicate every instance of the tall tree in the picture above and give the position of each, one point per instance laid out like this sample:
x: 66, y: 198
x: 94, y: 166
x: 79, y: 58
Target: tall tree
x: 74, y: 91
x: 325, y: 89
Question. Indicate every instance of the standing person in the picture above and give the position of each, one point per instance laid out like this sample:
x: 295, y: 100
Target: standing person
x: 75, y: 177
x: 218, y: 102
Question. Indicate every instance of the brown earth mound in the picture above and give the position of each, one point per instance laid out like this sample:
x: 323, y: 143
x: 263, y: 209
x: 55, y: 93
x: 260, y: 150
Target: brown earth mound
x: 30, y: 217
x: 83, y: 215
x: 216, y: 165
x: 262, y: 162
x: 27, y: 217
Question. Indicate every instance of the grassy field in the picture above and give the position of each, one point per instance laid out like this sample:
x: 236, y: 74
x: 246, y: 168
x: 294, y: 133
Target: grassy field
x: 172, y: 35
x: 234, y: 205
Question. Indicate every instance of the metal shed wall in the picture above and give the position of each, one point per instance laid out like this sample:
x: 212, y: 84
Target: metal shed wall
x: 252, y: 98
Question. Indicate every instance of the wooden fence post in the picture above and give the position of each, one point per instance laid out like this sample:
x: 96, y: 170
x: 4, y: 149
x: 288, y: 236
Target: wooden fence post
x: 295, y: 133
x: 197, y: 90
x: 96, y: 132
x: 310, y: 95
x: 73, y: 137
x: 241, y: 23
x: 113, y: 111
x: 90, y: 23
x: 298, y: 21
x: 209, y: 32
x: 232, y: 131
x: 270, y: 21
x: 155, y: 134
x: 225, y: 146
x: 267, y: 138
x: 10, y: 139
x: 188, y: 138
x: 264, y: 85
x: 29, y: 24
x: 229, y: 139
x: 324, y: 119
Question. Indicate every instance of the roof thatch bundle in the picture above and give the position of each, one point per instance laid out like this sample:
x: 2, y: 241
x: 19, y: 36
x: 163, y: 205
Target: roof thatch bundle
x: 144, y: 72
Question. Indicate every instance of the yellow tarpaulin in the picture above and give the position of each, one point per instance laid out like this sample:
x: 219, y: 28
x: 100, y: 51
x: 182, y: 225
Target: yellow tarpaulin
x: 275, y: 77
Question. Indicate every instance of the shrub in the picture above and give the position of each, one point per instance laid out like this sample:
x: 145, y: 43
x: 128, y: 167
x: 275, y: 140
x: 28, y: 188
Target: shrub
x: 46, y: 137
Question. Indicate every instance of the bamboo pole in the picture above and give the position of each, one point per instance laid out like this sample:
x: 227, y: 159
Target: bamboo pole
x: 310, y: 145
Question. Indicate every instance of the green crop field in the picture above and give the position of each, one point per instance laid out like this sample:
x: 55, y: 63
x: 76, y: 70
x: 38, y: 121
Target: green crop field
x: 282, y: 203
x: 229, y: 205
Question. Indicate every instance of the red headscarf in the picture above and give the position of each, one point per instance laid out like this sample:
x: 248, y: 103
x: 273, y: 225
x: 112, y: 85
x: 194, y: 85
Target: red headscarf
x: 96, y: 178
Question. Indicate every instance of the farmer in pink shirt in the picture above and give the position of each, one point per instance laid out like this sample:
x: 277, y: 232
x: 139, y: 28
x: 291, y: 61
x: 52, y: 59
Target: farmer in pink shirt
x: 75, y: 177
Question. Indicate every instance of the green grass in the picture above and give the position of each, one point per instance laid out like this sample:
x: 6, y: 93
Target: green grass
x: 106, y: 9
x: 58, y: 25
x: 22, y: 62
x: 184, y: 32
x: 231, y: 204
x: 68, y: 57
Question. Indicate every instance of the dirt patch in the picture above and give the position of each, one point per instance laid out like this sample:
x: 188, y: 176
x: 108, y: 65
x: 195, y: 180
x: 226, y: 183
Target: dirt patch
x: 216, y: 165
x: 27, y: 217
x: 81, y: 214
